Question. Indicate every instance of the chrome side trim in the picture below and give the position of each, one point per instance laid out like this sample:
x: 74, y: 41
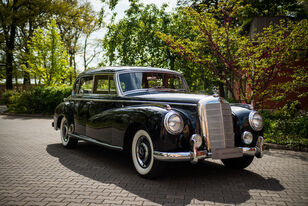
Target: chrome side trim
x: 131, y: 101
x: 88, y: 139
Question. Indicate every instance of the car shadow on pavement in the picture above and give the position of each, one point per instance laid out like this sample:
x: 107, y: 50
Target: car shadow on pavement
x: 180, y: 183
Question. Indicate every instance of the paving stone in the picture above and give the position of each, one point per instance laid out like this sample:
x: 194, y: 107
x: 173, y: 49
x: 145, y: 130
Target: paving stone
x: 36, y: 170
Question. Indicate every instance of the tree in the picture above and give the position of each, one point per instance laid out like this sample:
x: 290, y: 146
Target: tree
x: 233, y: 58
x: 36, y: 13
x: 269, y: 8
x: 9, y: 22
x: 18, y: 20
x: 48, y: 57
x: 132, y: 41
x: 74, y: 20
x: 93, y: 26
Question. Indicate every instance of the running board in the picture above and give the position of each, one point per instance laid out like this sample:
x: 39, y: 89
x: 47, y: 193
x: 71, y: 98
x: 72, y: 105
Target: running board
x: 88, y: 139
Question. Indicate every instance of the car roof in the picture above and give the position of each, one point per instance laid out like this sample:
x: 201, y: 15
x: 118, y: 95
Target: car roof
x: 125, y: 68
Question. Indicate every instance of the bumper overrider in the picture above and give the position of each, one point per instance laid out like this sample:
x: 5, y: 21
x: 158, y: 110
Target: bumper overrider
x: 225, y: 153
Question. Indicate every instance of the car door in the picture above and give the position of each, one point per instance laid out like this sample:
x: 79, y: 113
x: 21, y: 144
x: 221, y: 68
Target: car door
x: 82, y: 99
x: 100, y: 120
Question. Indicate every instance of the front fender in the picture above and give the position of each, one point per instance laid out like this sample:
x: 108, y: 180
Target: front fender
x: 241, y: 124
x: 63, y: 110
x: 150, y: 117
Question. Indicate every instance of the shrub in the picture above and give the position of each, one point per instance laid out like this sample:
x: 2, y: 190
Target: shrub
x: 40, y: 100
x: 287, y: 125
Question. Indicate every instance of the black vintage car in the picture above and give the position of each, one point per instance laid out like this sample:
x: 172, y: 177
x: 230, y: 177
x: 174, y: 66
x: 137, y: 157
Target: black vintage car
x: 149, y: 113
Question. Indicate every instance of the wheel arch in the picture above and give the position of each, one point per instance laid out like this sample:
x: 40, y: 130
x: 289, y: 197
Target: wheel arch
x: 149, y: 118
x: 60, y: 117
x: 63, y: 110
x: 129, y: 134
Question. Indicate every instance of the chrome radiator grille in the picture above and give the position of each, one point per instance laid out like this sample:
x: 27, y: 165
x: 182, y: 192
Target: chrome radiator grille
x: 217, y: 125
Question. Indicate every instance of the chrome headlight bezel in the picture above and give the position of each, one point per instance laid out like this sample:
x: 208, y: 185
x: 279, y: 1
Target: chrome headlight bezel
x: 253, y: 116
x: 173, y: 114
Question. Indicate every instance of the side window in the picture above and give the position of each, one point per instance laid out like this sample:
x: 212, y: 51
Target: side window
x: 104, y: 84
x: 86, y: 84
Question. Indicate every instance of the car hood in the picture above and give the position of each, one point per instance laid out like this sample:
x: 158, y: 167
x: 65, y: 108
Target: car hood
x: 175, y: 97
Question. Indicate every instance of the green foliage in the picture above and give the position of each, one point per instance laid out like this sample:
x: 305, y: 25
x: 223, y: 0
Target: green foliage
x: 132, y: 41
x: 40, y: 100
x: 273, y: 54
x: 19, y: 19
x: 292, y: 8
x: 242, y: 63
x: 48, y: 59
x: 287, y: 126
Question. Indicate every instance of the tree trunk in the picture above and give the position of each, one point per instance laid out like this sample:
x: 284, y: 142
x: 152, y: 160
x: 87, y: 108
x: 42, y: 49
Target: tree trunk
x: 10, y: 45
x: 85, y: 53
x: 9, y: 58
x: 71, y: 65
x: 27, y: 51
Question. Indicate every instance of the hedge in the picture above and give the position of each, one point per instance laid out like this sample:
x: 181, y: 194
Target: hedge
x: 286, y: 126
x: 39, y: 100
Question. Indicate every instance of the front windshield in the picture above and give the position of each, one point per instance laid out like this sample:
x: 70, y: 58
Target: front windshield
x: 151, y: 81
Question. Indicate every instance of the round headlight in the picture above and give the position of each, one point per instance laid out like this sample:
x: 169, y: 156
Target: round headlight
x: 173, y: 123
x: 247, y: 137
x: 256, y: 121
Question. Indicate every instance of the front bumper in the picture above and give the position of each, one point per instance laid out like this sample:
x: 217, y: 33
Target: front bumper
x: 195, y: 155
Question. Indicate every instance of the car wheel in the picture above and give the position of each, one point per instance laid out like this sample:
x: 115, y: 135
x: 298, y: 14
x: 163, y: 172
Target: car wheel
x: 67, y: 141
x: 142, y: 155
x: 238, y: 163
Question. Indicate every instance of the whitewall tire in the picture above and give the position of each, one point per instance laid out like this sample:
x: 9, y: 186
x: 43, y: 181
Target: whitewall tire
x: 66, y: 140
x: 142, y: 155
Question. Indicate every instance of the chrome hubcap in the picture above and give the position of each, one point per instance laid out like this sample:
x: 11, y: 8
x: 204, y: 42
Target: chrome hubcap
x: 143, y: 152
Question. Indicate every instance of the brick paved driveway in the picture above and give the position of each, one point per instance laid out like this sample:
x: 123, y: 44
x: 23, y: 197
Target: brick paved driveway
x: 36, y: 170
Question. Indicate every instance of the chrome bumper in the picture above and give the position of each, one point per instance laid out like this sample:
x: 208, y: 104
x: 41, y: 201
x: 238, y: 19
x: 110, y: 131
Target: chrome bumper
x: 195, y: 155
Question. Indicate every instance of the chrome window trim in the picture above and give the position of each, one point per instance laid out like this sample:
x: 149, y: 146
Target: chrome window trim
x: 126, y: 100
x: 108, y: 74
x: 98, y: 74
x: 121, y: 93
x: 79, y: 79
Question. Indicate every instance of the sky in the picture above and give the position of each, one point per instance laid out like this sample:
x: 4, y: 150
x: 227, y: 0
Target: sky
x: 119, y: 9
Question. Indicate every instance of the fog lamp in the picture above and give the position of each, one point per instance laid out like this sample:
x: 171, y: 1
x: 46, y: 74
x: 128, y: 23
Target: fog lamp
x: 196, y: 138
x: 247, y: 137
